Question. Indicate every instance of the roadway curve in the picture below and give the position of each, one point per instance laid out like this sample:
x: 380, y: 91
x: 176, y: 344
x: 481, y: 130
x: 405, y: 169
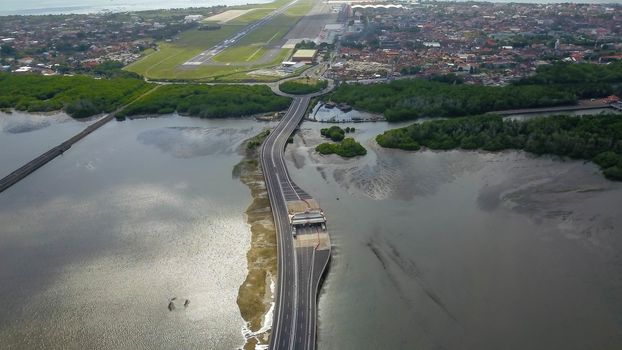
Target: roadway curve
x: 299, y: 269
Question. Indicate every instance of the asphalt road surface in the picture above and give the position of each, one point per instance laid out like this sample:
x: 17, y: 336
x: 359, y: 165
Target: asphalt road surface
x: 299, y: 269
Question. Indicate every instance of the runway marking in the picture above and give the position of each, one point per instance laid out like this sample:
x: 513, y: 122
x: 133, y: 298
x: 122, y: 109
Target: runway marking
x: 254, y: 53
x: 275, y: 34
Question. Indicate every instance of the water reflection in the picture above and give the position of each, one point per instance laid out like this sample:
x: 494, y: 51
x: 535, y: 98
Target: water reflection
x: 95, y: 244
x: 24, y: 136
x: 464, y: 250
x: 189, y: 142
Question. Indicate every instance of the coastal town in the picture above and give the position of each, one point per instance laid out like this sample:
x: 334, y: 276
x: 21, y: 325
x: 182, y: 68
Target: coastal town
x: 76, y: 43
x: 483, y: 43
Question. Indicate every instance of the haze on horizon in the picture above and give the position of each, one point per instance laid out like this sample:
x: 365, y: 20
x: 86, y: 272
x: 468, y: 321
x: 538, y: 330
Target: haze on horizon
x: 44, y: 7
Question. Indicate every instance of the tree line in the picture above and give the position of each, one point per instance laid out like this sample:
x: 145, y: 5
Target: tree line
x: 79, y: 96
x: 596, y: 138
x: 554, y: 85
x: 83, y: 96
x: 208, y: 101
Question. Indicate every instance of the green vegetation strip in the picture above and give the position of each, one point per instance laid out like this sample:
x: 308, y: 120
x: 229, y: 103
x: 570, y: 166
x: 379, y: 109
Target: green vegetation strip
x: 205, y: 101
x: 555, y: 85
x: 79, y: 96
x: 303, y: 86
x: 595, y: 138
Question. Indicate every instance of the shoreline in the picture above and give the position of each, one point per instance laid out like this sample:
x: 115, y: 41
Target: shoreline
x: 256, y: 293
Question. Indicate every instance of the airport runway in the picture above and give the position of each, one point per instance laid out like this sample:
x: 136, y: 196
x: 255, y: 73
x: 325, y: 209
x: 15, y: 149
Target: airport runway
x: 208, y: 54
x: 308, y: 27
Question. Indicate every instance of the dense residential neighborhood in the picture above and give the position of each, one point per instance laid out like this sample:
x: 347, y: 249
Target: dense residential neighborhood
x: 54, y: 44
x: 484, y: 43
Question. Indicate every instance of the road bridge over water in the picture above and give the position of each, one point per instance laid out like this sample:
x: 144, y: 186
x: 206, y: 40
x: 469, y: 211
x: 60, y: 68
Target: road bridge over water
x: 54, y: 152
x: 302, y: 259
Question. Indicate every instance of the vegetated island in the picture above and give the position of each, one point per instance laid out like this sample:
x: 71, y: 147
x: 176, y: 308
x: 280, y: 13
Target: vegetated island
x: 596, y: 138
x: 552, y: 85
x: 303, y: 86
x: 78, y: 96
x: 346, y: 147
x: 336, y: 133
x: 208, y: 101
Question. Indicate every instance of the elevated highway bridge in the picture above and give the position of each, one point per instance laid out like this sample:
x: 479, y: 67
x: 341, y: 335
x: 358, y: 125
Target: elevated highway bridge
x: 301, y: 259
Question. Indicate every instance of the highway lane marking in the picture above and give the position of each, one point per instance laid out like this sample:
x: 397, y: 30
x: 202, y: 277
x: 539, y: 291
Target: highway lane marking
x: 310, y: 296
x: 275, y: 140
x: 281, y: 152
x: 276, y: 136
x: 282, y: 269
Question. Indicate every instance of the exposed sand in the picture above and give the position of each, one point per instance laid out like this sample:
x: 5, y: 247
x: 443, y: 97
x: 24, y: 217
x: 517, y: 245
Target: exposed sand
x: 255, y: 296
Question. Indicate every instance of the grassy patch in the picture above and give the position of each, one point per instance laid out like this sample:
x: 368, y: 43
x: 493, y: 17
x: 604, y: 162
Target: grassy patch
x: 254, y: 15
x: 303, y: 86
x: 241, y: 54
x: 248, y: 54
x: 164, y: 63
x: 231, y: 73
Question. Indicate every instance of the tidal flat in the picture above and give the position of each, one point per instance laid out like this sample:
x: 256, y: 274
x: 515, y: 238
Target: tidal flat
x: 464, y: 250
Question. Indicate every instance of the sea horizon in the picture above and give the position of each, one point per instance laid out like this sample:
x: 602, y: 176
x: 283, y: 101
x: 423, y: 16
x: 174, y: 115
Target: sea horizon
x: 47, y: 7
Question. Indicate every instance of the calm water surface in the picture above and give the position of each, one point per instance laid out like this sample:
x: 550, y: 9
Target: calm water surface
x: 432, y: 250
x: 25, y: 136
x: 95, y: 244
x: 44, y: 7
x: 464, y: 250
